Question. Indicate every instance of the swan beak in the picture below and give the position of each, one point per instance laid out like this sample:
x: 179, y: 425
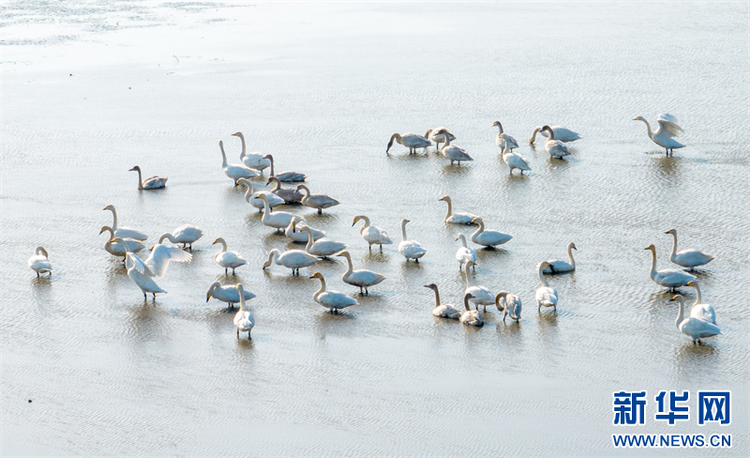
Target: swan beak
x: 207, y: 297
x: 100, y: 232
x: 690, y: 283
x: 474, y: 220
x: 131, y: 169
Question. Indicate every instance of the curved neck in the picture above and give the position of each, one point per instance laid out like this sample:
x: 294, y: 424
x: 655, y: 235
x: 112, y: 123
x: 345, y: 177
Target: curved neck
x: 403, y: 230
x: 223, y: 155
x: 322, y: 287
x: 698, y: 297
x: 167, y: 236
x: 680, y: 313
x: 249, y: 191
x: 223, y: 245
x: 140, y: 185
x: 480, y: 222
x: 241, y: 290
x: 466, y: 303
x: 276, y: 184
x: 42, y: 251
x: 244, y: 148
x: 437, y: 297
x: 648, y: 127
x: 449, y: 213
x: 111, y: 235
x: 349, y: 261
x: 272, y: 255
x: 653, y: 262
x: 266, y: 207
x: 365, y: 219
x: 551, y: 133
x: 674, y: 244
x: 500, y: 126
x: 114, y: 212
x: 462, y: 238
x: 533, y: 134
x: 310, y: 238
x: 469, y: 282
x: 540, y: 274
x: 270, y: 158
x: 570, y: 256
x: 306, y: 193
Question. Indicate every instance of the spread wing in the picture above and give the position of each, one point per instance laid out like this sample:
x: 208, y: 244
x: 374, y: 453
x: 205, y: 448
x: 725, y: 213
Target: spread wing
x: 160, y: 256
x: 134, y: 262
x: 668, y: 123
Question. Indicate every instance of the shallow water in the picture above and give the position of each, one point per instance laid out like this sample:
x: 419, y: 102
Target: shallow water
x: 90, y: 91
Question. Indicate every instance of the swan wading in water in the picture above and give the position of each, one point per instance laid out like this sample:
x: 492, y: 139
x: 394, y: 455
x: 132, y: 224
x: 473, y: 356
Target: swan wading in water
x: 142, y: 272
x: 553, y: 146
x: 455, y: 153
x: 504, y: 140
x: 255, y: 161
x: 39, y: 262
x: 372, y: 234
x: 228, y: 294
x: 687, y: 258
x: 294, y: 231
x: 332, y: 300
x: 290, y: 196
x: 471, y: 317
x: 692, y: 327
x: 120, y: 248
x: 317, y: 201
x: 322, y: 247
x: 286, y: 177
x: 227, y: 259
x: 561, y: 133
x: 545, y: 294
x: 253, y: 197
x: 293, y: 259
x: 186, y: 235
x: 443, y: 310
x: 439, y: 135
x: 361, y: 278
x: 557, y: 266
x: 480, y: 295
x: 410, y: 249
x: 465, y: 254
x: 124, y: 232
x: 508, y: 303
x: 699, y: 309
x: 154, y: 182
x: 514, y: 160
x: 488, y: 239
x: 243, y: 320
x: 671, y: 278
x: 235, y: 171
x: 665, y: 133
x: 410, y: 140
x: 457, y: 217
x: 277, y: 220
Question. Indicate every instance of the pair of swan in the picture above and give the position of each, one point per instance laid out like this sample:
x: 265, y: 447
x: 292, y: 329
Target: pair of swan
x: 372, y: 234
x: 410, y: 249
x: 561, y: 133
x: 665, y: 133
x: 480, y: 295
x: 464, y: 253
x: 186, y: 235
x: 671, y: 278
x: 257, y: 161
x: 687, y: 258
x: 143, y: 272
x: 556, y: 148
x: 332, y: 300
x: 124, y: 232
x: 439, y: 135
x: 361, y: 278
x: 317, y: 201
x: 455, y: 153
x: 123, y: 246
x: 508, y: 303
x: 457, y: 217
x: 293, y: 259
x: 228, y: 293
x: 278, y: 220
x: 39, y: 262
x: 290, y: 196
x: 486, y: 238
x: 410, y: 140
x: 244, y: 319
x: 323, y: 247
x: 228, y: 259
x: 545, y: 294
x: 154, y: 182
x: 504, y: 140
x: 557, y: 266
x: 514, y: 160
x: 253, y: 198
x: 235, y: 171
x: 443, y: 310
x: 691, y: 326
x: 294, y: 231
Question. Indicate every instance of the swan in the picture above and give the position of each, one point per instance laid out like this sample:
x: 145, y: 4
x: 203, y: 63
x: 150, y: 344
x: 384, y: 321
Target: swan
x: 471, y: 317
x: 664, y: 135
x: 687, y: 258
x: 671, y: 278
x: 410, y: 140
x: 286, y: 177
x: 39, y: 263
x: 560, y: 267
x: 322, y: 247
x: 362, y: 278
x: 372, y: 234
x: 699, y: 309
x: 480, y: 295
x: 154, y: 182
x: 255, y: 161
x: 332, y: 300
x: 297, y: 235
x: 458, y: 217
x: 253, y: 197
x: 293, y: 259
x: 561, y: 133
x: 319, y: 201
x: 545, y: 294
x: 227, y: 259
x: 124, y: 232
x: 504, y: 140
x: 228, y: 293
x: 411, y: 249
x: 142, y: 272
x: 488, y: 238
x: 443, y: 310
x: 186, y: 235
x: 278, y: 220
x: 465, y: 254
x: 290, y: 196
x: 692, y: 327
x: 140, y: 276
x: 439, y: 135
x: 509, y: 303
x: 455, y: 153
x: 554, y: 147
x: 120, y: 249
x: 514, y: 160
x: 243, y: 320
x: 235, y: 171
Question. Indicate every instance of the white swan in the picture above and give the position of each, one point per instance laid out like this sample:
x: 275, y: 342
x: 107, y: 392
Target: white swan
x: 293, y: 259
x: 255, y: 161
x: 142, y: 272
x: 439, y: 135
x: 455, y: 153
x: 228, y: 293
x: 465, y: 254
x: 545, y: 294
x: 124, y: 232
x: 457, y: 217
x: 227, y: 259
x: 699, y: 309
x: 278, y: 220
x: 664, y: 135
x: 554, y: 147
x: 671, y: 278
x: 488, y: 238
x: 243, y: 320
x: 322, y: 247
x: 509, y: 303
x: 480, y: 295
x: 504, y: 140
x: 471, y: 317
x: 687, y: 258
x: 372, y: 234
x: 141, y: 275
x: 39, y: 262
x: 290, y: 196
x: 120, y: 249
x: 410, y: 249
x: 332, y: 300
x: 692, y: 327
x: 514, y: 160
x: 253, y: 198
x: 443, y: 310
x: 362, y: 278
x: 235, y: 171
x: 294, y: 231
x: 318, y: 201
x: 286, y: 177
x: 410, y: 140
x: 154, y: 182
x: 561, y: 133
x: 557, y: 266
x: 185, y: 234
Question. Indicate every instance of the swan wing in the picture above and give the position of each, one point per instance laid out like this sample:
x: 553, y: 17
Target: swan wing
x: 128, y: 233
x: 704, y: 312
x: 133, y: 262
x: 668, y: 124
x: 160, y: 256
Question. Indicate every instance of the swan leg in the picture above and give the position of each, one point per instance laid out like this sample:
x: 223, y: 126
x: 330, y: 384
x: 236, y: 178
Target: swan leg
x: 238, y: 333
x: 248, y: 335
x: 506, y: 314
x: 367, y: 293
x: 226, y: 271
x: 381, y: 248
x: 145, y: 297
x: 37, y: 275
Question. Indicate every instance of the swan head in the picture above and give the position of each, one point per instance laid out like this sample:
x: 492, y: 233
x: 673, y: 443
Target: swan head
x: 639, y: 118
x: 477, y: 220
x: 272, y: 180
x: 357, y: 219
x: 390, y: 142
x: 263, y: 197
x: 549, y: 131
x: 445, y: 199
x: 672, y: 231
x: 497, y: 124
x: 432, y: 286
x: 572, y: 245
x: 134, y: 169
x: 41, y: 250
x: 110, y: 207
x: 317, y: 275
x: 244, y: 181
x: 651, y: 247
x: 238, y: 134
x: 211, y: 289
x: 470, y: 263
x: 269, y: 157
x: 105, y: 229
x: 677, y: 298
x: 345, y: 254
x: 219, y: 240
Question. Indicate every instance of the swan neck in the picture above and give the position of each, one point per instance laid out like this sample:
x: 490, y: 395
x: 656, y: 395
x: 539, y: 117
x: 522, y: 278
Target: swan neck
x: 653, y: 262
x: 223, y: 246
x: 140, y: 185
x: 223, y: 155
x: 310, y: 238
x: 272, y: 255
x: 111, y: 236
x: 403, y: 230
x: 462, y: 238
x: 698, y: 296
x: 266, y: 208
x: 166, y: 236
x: 305, y: 194
x: 276, y: 183
x: 480, y: 229
x: 114, y: 212
x: 648, y: 127
x: 680, y: 314
x: 466, y: 303
x: 533, y: 134
x: 570, y: 256
x: 366, y: 220
x: 350, y: 269
x: 248, y: 191
x: 244, y: 148
x: 322, y: 286
x: 469, y: 282
x: 241, y: 290
x: 540, y: 273
x: 674, y: 245
x: 449, y: 213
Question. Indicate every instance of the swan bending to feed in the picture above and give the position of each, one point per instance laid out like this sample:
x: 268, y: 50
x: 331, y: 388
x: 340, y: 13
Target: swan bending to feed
x: 278, y: 220
x: 557, y: 266
x: 39, y: 262
x: 545, y: 294
x: 514, y: 160
x: 235, y: 171
x: 687, y: 258
x: 480, y: 295
x: 410, y: 249
x: 488, y: 239
x: 372, y: 234
x: 295, y: 232
x: 455, y: 153
x: 227, y: 259
x: 293, y: 259
x: 457, y: 217
x: 465, y: 254
x: 317, y: 201
x: 509, y: 303
x: 699, y: 309
x: 554, y: 147
x: 439, y: 135
x: 471, y: 317
x: 665, y: 133
x: 154, y: 182
x: 504, y: 140
x: 290, y: 196
x: 692, y: 327
x: 561, y: 133
x: 410, y: 140
x: 362, y: 278
x: 243, y: 320
x: 286, y: 177
x: 322, y: 247
x: 253, y: 198
x: 671, y: 278
x: 332, y: 300
x: 227, y: 293
x: 255, y: 161
x: 185, y: 234
x: 124, y: 232
x: 120, y: 249
x: 443, y: 310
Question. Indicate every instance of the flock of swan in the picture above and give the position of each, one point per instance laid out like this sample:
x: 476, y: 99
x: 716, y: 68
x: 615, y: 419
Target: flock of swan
x: 126, y: 242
